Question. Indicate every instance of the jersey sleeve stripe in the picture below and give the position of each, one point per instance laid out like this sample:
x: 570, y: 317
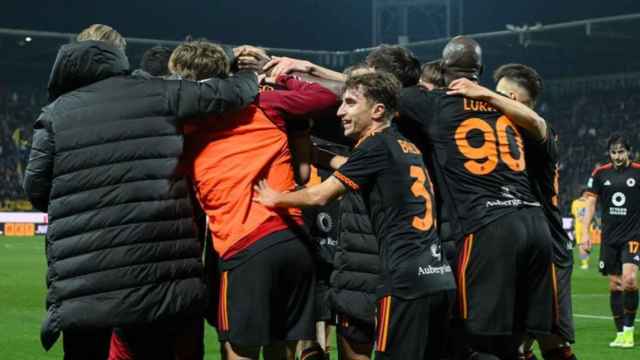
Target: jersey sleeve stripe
x: 556, y: 303
x: 346, y: 181
x: 602, y: 167
x: 463, y: 263
x: 223, y: 316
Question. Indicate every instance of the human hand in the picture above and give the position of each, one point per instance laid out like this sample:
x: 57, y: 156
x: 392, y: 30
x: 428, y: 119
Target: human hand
x: 249, y: 63
x: 469, y: 89
x: 265, y: 195
x: 248, y: 50
x: 283, y: 65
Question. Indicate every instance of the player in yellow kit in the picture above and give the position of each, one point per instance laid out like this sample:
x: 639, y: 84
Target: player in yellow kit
x: 578, y: 208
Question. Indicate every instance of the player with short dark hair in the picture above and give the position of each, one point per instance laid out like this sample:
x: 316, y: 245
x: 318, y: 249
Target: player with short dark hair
x: 542, y: 160
x: 523, y: 77
x: 155, y: 61
x: 615, y: 188
x: 397, y: 61
x: 431, y: 76
x: 388, y: 170
x: 479, y: 156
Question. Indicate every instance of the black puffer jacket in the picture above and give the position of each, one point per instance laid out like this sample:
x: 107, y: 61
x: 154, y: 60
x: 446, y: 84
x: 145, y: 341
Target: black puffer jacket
x: 356, y: 262
x: 105, y: 164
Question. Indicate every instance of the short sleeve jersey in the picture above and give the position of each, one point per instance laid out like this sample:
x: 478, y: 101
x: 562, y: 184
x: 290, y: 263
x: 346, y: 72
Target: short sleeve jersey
x: 389, y: 172
x: 478, y: 152
x: 618, y: 192
x: 542, y: 158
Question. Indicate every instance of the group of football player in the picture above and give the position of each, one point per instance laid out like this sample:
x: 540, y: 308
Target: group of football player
x: 438, y: 199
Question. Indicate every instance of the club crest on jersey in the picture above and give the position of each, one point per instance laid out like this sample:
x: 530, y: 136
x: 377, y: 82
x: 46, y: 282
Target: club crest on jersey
x: 324, y: 222
x: 631, y: 182
x: 435, y: 252
x: 607, y: 183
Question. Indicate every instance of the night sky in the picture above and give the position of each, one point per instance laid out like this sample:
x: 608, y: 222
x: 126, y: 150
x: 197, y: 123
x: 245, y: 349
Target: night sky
x: 305, y: 24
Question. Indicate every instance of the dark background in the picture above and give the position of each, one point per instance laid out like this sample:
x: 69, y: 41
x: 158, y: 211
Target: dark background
x: 303, y: 24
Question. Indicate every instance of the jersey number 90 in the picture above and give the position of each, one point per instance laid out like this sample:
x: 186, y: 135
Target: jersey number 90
x: 484, y: 159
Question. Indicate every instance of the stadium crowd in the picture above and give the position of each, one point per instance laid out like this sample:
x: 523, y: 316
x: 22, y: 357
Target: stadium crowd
x: 18, y: 106
x: 433, y: 212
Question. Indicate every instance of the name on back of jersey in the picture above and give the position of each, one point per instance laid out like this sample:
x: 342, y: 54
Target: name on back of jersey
x: 477, y: 105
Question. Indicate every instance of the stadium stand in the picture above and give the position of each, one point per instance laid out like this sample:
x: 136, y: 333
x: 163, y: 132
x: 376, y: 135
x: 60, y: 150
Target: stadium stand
x: 588, y: 94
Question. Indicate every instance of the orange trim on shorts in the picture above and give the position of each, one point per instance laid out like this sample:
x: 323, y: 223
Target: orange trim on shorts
x: 350, y: 183
x: 383, y: 323
x: 556, y: 303
x: 223, y: 311
x: 463, y: 263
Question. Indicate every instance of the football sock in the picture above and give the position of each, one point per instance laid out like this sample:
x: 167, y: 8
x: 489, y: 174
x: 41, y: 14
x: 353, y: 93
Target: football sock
x: 630, y: 307
x: 617, y: 309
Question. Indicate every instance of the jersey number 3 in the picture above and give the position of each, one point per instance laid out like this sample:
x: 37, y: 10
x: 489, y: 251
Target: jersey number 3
x: 418, y: 189
x: 484, y: 159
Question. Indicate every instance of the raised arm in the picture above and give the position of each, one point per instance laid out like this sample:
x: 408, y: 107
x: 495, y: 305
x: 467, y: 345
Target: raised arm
x: 285, y: 65
x: 520, y: 114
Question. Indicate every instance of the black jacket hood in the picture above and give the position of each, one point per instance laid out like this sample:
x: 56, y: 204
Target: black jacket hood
x: 84, y: 63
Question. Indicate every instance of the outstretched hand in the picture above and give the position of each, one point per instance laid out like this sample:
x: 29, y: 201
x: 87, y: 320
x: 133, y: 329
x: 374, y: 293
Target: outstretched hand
x: 469, y: 89
x: 283, y: 65
x: 265, y: 195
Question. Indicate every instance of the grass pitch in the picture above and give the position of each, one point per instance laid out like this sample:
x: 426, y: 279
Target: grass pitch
x: 22, y: 293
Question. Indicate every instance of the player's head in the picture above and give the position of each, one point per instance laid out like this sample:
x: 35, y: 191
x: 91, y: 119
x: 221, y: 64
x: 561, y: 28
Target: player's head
x: 461, y: 58
x: 107, y: 34
x: 199, y: 60
x: 369, y: 102
x: 431, y: 77
x: 520, y: 82
x: 619, y: 150
x: 396, y: 60
x: 358, y: 69
x: 155, y: 61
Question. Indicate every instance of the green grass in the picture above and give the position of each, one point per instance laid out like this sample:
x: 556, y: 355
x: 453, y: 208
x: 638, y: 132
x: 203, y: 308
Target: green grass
x: 22, y: 290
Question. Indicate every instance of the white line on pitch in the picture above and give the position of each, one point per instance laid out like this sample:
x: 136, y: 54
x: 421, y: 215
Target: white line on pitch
x: 596, y: 317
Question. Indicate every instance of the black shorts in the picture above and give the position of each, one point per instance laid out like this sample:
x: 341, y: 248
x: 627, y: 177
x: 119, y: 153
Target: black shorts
x: 613, y: 256
x: 564, y: 324
x: 269, y: 297
x: 355, y: 331
x: 412, y: 329
x: 504, y: 276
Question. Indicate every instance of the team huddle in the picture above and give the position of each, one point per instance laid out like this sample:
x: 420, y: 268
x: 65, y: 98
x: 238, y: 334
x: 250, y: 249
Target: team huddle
x: 428, y: 229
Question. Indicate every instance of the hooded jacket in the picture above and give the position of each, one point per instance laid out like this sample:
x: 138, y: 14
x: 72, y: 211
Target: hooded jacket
x: 105, y: 164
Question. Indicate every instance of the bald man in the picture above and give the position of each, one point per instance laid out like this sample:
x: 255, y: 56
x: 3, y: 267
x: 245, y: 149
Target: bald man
x: 504, y: 269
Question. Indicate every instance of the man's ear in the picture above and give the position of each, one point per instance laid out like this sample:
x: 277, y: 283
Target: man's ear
x: 378, y: 111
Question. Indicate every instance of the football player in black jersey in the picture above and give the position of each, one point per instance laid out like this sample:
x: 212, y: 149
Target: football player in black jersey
x: 483, y: 177
x: 615, y: 187
x: 523, y: 84
x: 389, y: 171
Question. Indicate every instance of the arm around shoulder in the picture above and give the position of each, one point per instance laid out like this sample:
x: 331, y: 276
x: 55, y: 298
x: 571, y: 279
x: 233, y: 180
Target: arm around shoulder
x: 213, y: 96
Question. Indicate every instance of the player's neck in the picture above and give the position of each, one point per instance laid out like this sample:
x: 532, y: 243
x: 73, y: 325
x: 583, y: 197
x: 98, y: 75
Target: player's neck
x: 623, y: 166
